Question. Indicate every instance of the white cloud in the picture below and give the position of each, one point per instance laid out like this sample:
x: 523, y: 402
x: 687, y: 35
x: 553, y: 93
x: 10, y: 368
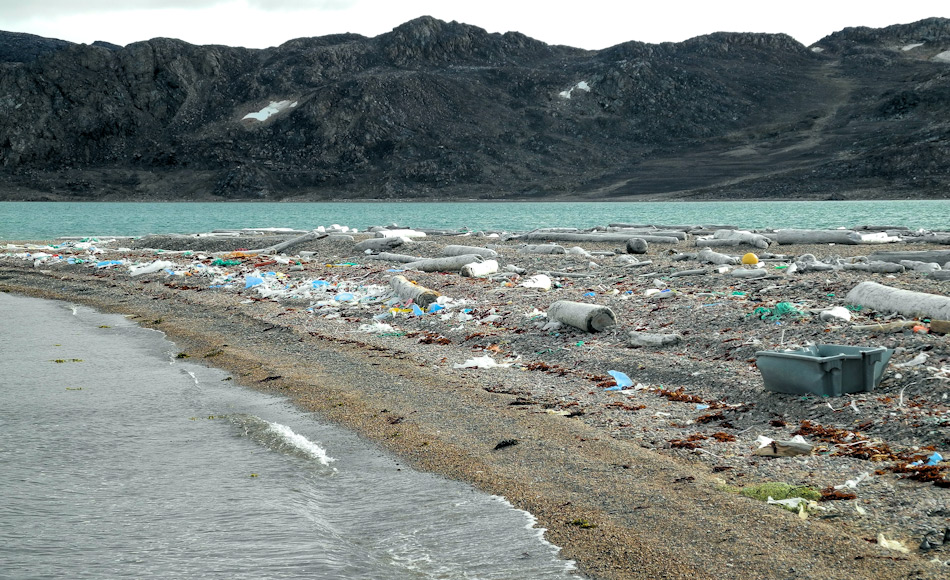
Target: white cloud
x: 592, y: 24
x: 36, y: 9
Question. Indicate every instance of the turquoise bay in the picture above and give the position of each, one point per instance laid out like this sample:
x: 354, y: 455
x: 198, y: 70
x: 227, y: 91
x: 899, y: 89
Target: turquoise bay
x: 44, y: 220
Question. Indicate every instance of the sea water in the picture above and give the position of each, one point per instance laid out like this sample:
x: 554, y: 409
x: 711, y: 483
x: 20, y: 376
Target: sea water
x: 45, y: 220
x: 119, y: 460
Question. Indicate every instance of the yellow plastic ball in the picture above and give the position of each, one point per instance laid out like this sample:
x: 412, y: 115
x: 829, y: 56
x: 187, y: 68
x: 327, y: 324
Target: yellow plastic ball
x: 750, y: 259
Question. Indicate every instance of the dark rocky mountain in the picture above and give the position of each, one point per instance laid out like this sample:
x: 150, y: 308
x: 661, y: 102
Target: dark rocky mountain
x: 449, y: 111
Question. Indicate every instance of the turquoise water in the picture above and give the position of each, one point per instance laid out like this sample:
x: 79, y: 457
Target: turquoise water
x: 40, y: 220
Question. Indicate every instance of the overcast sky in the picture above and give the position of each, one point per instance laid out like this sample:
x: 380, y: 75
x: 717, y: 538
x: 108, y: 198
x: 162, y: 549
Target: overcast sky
x: 590, y: 24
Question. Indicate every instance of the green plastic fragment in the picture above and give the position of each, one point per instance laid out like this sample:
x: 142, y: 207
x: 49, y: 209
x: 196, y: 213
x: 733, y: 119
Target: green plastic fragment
x: 781, y: 310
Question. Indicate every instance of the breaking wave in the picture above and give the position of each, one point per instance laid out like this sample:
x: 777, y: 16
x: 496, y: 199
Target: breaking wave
x: 280, y: 438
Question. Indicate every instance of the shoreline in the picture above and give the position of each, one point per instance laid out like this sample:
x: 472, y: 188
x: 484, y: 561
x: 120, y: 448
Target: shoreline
x: 596, y: 469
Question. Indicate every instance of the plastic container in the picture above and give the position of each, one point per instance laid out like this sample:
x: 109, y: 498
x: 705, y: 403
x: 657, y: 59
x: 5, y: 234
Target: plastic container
x: 823, y: 369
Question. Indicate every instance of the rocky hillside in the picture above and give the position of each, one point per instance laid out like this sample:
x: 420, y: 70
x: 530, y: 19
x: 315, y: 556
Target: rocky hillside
x: 449, y: 111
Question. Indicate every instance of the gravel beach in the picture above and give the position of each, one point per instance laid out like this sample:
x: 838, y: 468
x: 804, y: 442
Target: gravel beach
x: 641, y: 447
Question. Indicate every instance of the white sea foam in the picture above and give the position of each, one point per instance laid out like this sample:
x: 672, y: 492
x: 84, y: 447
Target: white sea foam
x: 300, y: 442
x: 531, y: 523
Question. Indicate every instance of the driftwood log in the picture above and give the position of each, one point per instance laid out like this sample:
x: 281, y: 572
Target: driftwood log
x: 896, y: 326
x: 696, y: 272
x: 745, y: 273
x: 447, y: 264
x: 403, y: 233
x: 604, y: 237
x: 477, y: 269
x: 678, y: 234
x: 906, y: 302
x: 734, y: 238
x: 707, y: 255
x: 455, y: 250
x: 587, y: 317
x: 408, y: 290
x: 938, y: 256
x: 876, y: 267
x: 542, y: 249
x: 388, y: 257
x: 652, y: 339
x: 816, y: 237
x: 289, y: 243
x: 380, y: 244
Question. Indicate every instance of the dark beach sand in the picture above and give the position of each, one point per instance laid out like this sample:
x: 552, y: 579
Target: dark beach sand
x: 622, y: 506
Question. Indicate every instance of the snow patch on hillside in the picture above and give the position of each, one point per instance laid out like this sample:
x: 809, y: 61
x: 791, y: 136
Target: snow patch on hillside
x: 270, y: 110
x: 581, y: 86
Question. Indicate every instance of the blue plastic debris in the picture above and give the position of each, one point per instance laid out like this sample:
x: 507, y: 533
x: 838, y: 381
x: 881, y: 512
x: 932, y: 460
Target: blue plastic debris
x: 252, y: 281
x: 622, y: 380
x: 344, y: 297
x: 417, y: 311
x: 701, y: 407
x: 434, y: 307
x: 318, y: 283
x: 934, y: 459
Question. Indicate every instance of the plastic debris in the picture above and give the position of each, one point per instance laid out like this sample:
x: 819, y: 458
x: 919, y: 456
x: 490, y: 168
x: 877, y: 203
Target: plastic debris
x: 794, y: 446
x: 836, y: 314
x: 541, y: 281
x: 480, y: 362
x: 916, y: 361
x: 623, y: 381
x: 853, y: 483
x: 750, y: 259
x: 156, y: 266
x: 799, y: 504
x: 780, y: 311
x: 377, y: 327
x: 892, y: 544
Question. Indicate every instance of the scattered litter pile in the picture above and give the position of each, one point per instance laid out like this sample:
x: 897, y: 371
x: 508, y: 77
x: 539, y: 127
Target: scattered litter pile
x: 648, y: 333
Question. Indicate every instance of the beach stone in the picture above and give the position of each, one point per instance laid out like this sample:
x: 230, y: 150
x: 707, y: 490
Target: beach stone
x: 637, y: 246
x: 940, y: 326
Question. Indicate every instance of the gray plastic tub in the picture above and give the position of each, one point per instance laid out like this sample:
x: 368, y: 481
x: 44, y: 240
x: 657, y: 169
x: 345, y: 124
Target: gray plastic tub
x: 823, y: 369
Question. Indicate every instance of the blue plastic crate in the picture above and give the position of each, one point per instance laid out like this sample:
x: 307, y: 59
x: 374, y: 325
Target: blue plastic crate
x: 823, y: 369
